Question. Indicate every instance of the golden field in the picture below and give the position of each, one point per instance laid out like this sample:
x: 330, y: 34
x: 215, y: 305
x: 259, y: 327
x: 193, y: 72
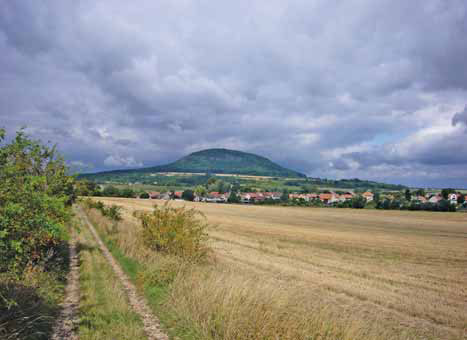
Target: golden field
x: 397, y: 274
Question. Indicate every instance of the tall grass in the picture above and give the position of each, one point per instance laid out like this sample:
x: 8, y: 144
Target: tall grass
x: 104, y: 308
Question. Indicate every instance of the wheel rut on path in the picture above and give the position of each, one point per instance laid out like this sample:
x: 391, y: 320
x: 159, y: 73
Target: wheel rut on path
x: 65, y: 327
x: 151, y: 323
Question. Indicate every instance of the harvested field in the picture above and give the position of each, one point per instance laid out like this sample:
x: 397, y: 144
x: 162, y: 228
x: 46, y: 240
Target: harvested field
x: 406, y: 271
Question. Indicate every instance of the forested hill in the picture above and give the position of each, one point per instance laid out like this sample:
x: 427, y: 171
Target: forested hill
x: 215, y: 161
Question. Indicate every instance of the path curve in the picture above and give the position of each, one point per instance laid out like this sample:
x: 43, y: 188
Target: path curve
x: 151, y: 323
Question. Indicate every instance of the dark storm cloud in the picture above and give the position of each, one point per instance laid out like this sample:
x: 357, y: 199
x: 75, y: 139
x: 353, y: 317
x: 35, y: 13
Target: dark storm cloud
x: 460, y: 117
x: 335, y: 89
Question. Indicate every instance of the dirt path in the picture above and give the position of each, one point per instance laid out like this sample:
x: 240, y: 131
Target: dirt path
x: 65, y: 328
x: 151, y: 323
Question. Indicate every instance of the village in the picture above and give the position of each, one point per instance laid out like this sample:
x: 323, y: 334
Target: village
x: 328, y: 198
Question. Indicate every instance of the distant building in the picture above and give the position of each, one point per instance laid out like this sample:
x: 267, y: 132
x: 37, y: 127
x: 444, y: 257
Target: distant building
x: 368, y: 196
x: 328, y: 198
x: 420, y: 199
x: 272, y: 195
x: 435, y: 199
x: 154, y: 194
x: 345, y: 197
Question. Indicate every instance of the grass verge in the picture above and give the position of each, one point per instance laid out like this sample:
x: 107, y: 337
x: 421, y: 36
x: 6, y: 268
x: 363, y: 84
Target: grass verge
x: 157, y: 295
x: 105, y: 311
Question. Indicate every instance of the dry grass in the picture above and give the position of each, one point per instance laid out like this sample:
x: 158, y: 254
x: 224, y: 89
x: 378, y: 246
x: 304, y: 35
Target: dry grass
x: 104, y: 309
x: 290, y: 271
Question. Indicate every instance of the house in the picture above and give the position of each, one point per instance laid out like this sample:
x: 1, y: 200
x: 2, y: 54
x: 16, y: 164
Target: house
x: 345, y: 197
x: 251, y: 197
x: 296, y: 196
x: 178, y: 194
x: 165, y: 196
x: 154, y: 194
x: 272, y: 195
x: 328, y: 198
x: 257, y: 196
x: 306, y: 197
x: 368, y: 196
x: 311, y: 197
x: 420, y: 199
x: 435, y: 199
x: 216, y: 197
x: 452, y: 198
x: 246, y: 197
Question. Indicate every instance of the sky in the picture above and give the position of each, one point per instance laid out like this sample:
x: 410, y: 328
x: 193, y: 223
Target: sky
x: 337, y: 89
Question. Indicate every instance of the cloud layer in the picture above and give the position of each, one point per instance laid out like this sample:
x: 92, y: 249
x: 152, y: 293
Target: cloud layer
x: 334, y: 89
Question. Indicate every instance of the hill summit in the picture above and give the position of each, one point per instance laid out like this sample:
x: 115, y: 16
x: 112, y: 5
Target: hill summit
x: 214, y: 161
x: 225, y: 161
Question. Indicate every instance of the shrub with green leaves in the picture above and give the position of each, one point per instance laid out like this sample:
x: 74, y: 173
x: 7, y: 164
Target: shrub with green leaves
x: 35, y: 190
x: 114, y: 212
x: 176, y: 231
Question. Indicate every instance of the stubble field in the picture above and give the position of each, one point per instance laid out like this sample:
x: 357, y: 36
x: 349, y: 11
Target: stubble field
x: 404, y: 272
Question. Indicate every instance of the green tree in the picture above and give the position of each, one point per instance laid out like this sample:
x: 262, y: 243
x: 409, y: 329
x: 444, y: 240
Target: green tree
x: 445, y: 192
x: 211, y: 180
x: 35, y: 190
x: 128, y: 193
x: 85, y: 188
x: 200, y: 191
x: 144, y: 195
x: 285, y: 195
x: 460, y: 199
x: 221, y: 186
x: 358, y: 202
x: 420, y: 192
x: 111, y: 191
x: 188, y: 195
x: 233, y: 198
x: 408, y: 195
x: 377, y: 197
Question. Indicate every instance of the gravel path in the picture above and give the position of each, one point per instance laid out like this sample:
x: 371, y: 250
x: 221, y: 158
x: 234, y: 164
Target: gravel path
x: 150, y: 322
x: 65, y: 327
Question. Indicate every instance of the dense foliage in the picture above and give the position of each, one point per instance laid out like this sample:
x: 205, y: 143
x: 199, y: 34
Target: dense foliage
x: 176, y: 231
x: 113, y: 212
x: 89, y: 188
x: 35, y: 191
x: 443, y: 205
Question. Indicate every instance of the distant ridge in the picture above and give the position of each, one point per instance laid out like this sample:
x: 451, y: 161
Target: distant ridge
x: 219, y: 161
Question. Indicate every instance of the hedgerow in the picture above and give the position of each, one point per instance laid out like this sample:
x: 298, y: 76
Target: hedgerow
x: 35, y: 192
x: 114, y: 212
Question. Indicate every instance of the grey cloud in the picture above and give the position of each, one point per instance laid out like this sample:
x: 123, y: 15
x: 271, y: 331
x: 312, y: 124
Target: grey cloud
x: 460, y: 117
x: 296, y: 81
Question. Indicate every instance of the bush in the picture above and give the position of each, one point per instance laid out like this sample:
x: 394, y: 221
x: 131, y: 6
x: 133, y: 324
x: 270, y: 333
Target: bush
x: 233, y: 198
x: 176, y: 231
x: 114, y: 212
x: 144, y: 195
x: 35, y: 191
x: 358, y: 202
x: 188, y: 195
